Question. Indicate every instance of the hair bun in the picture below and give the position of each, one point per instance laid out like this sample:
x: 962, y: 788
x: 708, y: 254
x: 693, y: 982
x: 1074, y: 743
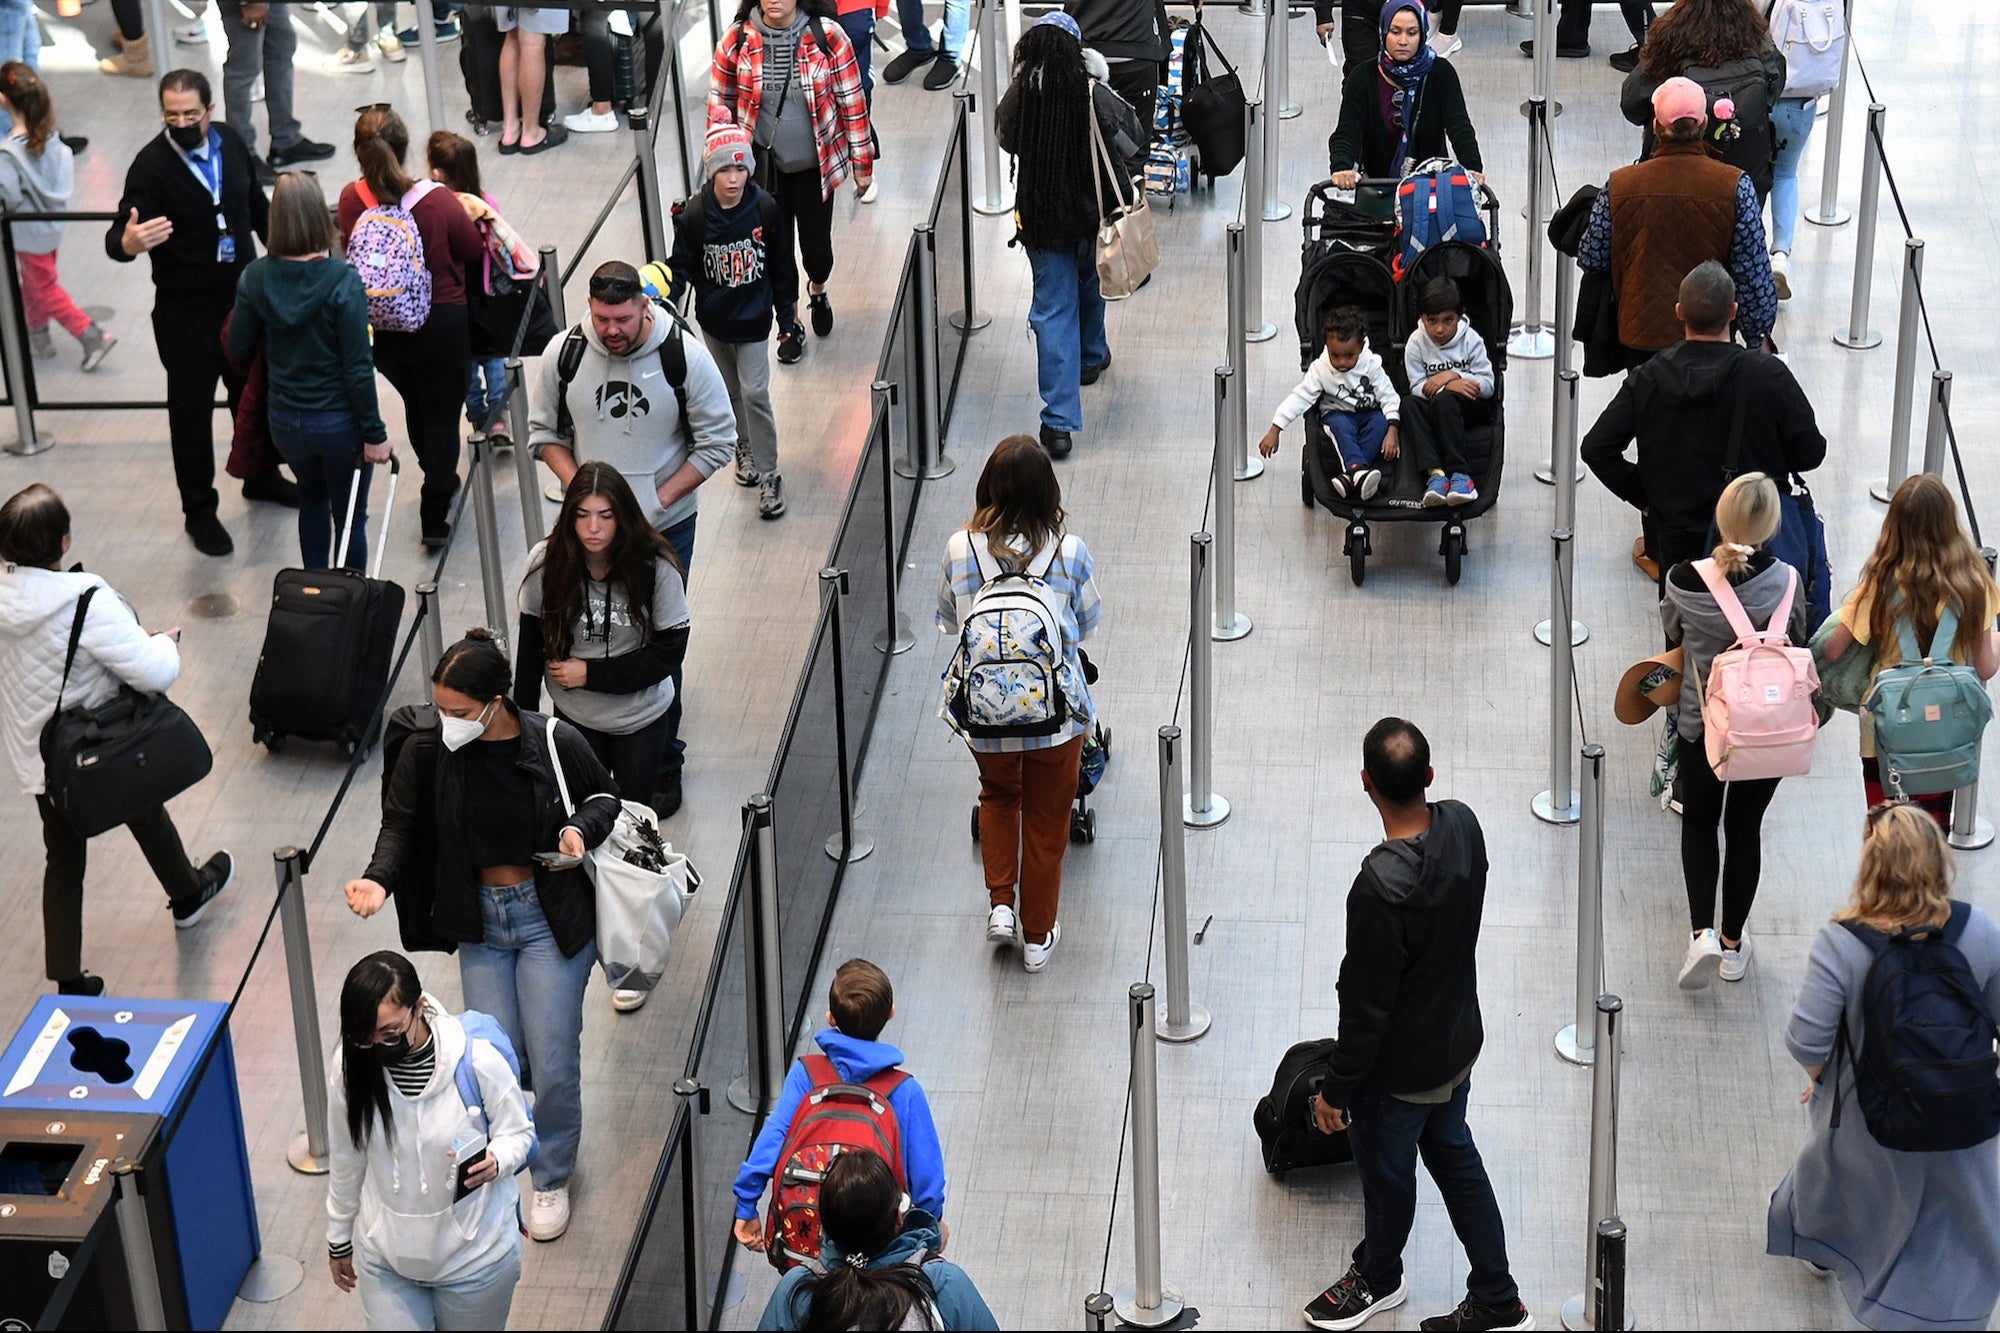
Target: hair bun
x: 479, y: 634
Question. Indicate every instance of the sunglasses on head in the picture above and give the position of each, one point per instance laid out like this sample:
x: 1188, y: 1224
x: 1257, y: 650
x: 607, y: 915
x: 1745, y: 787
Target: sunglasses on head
x: 614, y: 287
x: 1880, y: 808
x: 366, y: 107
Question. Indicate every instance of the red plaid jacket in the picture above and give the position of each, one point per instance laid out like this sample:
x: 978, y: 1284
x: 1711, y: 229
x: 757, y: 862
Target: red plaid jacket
x: 833, y: 94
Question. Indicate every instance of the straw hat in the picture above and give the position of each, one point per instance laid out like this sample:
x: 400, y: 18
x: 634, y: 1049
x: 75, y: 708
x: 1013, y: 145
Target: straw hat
x: 1649, y: 686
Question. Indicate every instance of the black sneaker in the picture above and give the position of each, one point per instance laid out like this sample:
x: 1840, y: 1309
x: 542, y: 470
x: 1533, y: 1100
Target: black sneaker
x: 791, y: 347
x: 1092, y: 373
x: 667, y: 795
x: 208, y: 534
x: 305, y: 150
x: 1625, y: 61
x: 273, y: 486
x: 943, y: 71
x: 1349, y: 1303
x: 216, y: 874
x: 81, y: 984
x: 435, y: 538
x: 1562, y: 52
x: 267, y: 175
x: 906, y: 64
x: 1472, y: 1317
x: 822, y: 313
x: 1057, y: 442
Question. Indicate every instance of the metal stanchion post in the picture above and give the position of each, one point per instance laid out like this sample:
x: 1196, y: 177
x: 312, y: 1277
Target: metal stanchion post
x: 753, y: 1093
x: 1609, y: 1293
x: 160, y: 34
x: 694, y: 1096
x: 1543, y: 34
x: 1565, y: 355
x: 1560, y: 803
x: 1908, y: 312
x: 1829, y: 213
x: 1940, y: 412
x: 1230, y: 624
x: 26, y: 443
x: 1857, y: 335
x: 552, y: 284
x: 1577, y: 1042
x: 135, y: 1233
x: 487, y: 525
x: 1202, y: 808
x: 895, y: 637
x: 1288, y: 108
x: 1531, y: 341
x: 1243, y: 465
x: 998, y: 198
x: 1148, y: 1302
x: 971, y: 319
x: 1256, y: 330
x: 427, y: 55
x: 1579, y: 1311
x: 1565, y: 470
x: 1185, y: 1021
x: 926, y: 458
x: 308, y: 1152
x: 527, y: 480
x: 1098, y: 1307
x: 430, y: 638
x: 652, y: 218
x: 848, y: 841
x: 1271, y: 207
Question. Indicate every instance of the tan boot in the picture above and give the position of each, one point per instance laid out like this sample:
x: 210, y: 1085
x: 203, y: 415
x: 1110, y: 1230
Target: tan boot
x: 133, y: 62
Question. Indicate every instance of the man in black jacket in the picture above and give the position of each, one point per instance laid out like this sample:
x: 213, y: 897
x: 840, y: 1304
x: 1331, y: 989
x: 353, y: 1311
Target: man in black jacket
x: 1410, y: 1032
x: 1687, y: 407
x: 192, y: 203
x: 1135, y: 37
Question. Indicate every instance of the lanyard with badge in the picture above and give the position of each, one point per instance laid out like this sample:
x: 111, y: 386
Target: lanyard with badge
x: 208, y: 170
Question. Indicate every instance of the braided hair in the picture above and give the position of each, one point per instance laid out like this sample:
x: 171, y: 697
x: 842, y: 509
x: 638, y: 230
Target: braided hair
x: 1053, y: 164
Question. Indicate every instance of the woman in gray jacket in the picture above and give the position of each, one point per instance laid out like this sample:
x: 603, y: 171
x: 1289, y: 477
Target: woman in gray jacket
x: 37, y: 175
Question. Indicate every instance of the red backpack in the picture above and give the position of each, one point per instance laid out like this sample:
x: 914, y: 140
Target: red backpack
x: 835, y: 1117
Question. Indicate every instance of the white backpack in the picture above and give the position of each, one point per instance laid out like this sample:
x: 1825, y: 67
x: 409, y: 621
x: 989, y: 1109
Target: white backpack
x: 1757, y: 713
x: 1006, y: 678
x: 1812, y: 36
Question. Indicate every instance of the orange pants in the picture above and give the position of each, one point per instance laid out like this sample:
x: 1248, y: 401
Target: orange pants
x: 1024, y: 801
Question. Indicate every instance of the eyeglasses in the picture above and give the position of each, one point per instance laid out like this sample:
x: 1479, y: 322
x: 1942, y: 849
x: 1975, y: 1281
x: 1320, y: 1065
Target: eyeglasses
x: 366, y: 107
x: 614, y: 287
x: 380, y: 1039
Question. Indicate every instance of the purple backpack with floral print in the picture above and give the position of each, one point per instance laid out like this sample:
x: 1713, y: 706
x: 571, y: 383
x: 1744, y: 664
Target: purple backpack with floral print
x: 387, y: 250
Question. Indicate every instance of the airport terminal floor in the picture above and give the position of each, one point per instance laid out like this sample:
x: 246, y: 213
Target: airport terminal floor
x: 1027, y: 1074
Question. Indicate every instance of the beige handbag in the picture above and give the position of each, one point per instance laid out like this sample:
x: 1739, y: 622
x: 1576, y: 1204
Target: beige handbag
x: 1127, y: 250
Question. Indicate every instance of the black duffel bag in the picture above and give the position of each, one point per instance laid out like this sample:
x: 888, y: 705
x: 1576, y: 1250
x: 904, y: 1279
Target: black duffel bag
x: 110, y: 764
x: 495, y: 316
x: 1213, y: 108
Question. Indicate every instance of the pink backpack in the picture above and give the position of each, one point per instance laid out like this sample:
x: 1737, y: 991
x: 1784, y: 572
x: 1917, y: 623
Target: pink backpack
x: 1757, y: 706
x: 387, y: 250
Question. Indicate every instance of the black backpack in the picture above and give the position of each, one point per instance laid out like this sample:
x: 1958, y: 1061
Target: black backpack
x: 1926, y: 1074
x: 1284, y: 1118
x: 673, y: 361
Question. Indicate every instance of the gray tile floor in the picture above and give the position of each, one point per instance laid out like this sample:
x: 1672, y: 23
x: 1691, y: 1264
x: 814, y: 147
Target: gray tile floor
x: 1026, y: 1072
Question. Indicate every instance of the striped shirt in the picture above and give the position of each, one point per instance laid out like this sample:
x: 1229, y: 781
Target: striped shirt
x: 1071, y: 577
x: 410, y: 1075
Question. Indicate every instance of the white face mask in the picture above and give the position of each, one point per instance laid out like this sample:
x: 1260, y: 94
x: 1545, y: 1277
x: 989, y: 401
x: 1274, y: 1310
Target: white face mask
x: 459, y: 732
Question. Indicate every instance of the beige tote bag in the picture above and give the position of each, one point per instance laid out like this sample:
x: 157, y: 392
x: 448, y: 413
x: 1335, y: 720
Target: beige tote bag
x: 1127, y: 250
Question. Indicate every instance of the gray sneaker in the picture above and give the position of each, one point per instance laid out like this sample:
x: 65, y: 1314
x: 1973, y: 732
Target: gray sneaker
x: 746, y: 470
x: 770, y: 495
x: 41, y: 343
x: 97, y: 344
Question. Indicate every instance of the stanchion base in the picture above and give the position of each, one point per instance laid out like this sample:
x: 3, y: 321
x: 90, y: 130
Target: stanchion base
x: 302, y: 1160
x: 1546, y: 811
x: 1290, y: 111
x: 1232, y: 630
x: 1567, y: 1048
x: 1248, y: 471
x: 1579, y: 633
x: 1263, y: 333
x: 863, y: 846
x: 1536, y: 344
x: 1193, y: 1030
x: 1839, y: 217
x: 980, y: 319
x: 992, y: 208
x: 553, y: 492
x: 1276, y: 210
x: 1546, y: 473
x: 1126, y: 1302
x: 909, y: 471
x: 895, y: 645
x: 1217, y: 812
x: 741, y: 1097
x: 271, y: 1277
x: 1555, y: 109
x: 1576, y: 1315
x: 1981, y: 836
x: 1882, y: 491
x: 1870, y: 339
x: 29, y: 448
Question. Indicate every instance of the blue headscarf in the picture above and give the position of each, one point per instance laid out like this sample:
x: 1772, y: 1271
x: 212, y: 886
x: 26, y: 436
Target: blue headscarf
x: 1407, y: 76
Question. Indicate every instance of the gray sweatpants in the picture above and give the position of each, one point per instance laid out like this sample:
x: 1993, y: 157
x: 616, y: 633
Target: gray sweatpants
x: 268, y: 51
x: 746, y: 372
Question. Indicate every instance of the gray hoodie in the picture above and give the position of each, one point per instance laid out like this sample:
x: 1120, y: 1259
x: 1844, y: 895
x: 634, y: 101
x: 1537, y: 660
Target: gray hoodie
x: 36, y: 183
x: 622, y: 412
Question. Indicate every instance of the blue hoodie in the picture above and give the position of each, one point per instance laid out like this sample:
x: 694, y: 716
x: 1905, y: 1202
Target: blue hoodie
x: 959, y: 1304
x: 856, y: 1061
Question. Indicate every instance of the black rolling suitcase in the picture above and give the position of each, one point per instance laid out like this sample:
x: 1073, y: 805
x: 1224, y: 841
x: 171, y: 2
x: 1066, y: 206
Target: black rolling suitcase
x: 327, y: 647
x: 479, y: 61
x: 1284, y: 1118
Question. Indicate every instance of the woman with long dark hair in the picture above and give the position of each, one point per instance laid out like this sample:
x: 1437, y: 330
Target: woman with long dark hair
x: 1044, y: 121
x: 1725, y: 46
x: 509, y: 889
x: 604, y: 617
x: 429, y: 1130
x: 883, y: 1263
x: 1405, y: 107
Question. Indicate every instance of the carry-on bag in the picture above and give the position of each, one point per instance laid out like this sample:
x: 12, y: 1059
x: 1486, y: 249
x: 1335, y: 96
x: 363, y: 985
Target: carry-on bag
x: 328, y: 645
x: 1127, y: 249
x: 1213, y: 108
x: 1284, y: 1117
x: 1929, y: 715
x: 479, y: 45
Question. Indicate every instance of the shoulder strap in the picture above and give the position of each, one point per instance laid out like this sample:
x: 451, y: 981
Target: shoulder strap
x: 1947, y: 630
x: 820, y: 1071
x: 366, y: 195
x: 75, y: 637
x: 1100, y: 155
x: 467, y: 1079
x: 568, y: 359
x: 767, y: 213
x: 1042, y: 563
x: 883, y: 1082
x: 818, y: 27
x: 1954, y: 926
x: 1733, y: 462
x: 982, y: 556
x: 674, y: 365
x: 1728, y: 602
x: 555, y: 763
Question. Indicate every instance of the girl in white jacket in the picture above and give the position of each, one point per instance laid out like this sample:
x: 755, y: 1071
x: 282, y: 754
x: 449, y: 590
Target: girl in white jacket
x: 1358, y: 407
x: 38, y: 603
x: 421, y: 1211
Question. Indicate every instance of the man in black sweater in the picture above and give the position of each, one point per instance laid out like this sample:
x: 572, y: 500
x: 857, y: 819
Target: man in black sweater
x: 192, y: 203
x: 1401, y: 1069
x: 1135, y: 37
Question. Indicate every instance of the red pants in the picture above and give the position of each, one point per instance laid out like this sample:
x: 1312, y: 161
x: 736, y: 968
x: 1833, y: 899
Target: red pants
x: 1024, y: 801
x: 43, y: 297
x: 1937, y: 804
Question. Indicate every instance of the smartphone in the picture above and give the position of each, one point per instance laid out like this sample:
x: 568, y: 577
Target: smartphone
x: 557, y: 860
x: 468, y: 1149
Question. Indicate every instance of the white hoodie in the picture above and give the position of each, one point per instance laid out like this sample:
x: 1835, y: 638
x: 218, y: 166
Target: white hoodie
x: 1465, y: 354
x: 1365, y: 388
x: 393, y: 1198
x: 37, y: 607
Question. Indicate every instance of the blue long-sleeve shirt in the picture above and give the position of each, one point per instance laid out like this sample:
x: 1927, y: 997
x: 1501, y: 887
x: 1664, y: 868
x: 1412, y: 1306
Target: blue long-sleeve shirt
x: 856, y: 1061
x: 1749, y: 260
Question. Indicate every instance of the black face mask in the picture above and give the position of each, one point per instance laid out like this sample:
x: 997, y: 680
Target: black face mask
x: 389, y: 1052
x: 189, y: 137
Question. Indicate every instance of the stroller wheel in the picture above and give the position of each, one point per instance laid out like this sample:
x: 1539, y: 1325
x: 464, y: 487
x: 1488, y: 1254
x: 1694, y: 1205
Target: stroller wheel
x: 1452, y: 544
x: 975, y: 823
x: 1090, y: 826
x: 1104, y: 738
x: 1305, y: 488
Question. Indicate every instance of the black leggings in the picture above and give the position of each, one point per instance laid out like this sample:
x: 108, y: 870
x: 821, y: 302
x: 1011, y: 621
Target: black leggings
x: 634, y: 758
x: 132, y: 24
x: 429, y: 369
x: 802, y: 211
x: 1738, y: 809
x: 597, y: 54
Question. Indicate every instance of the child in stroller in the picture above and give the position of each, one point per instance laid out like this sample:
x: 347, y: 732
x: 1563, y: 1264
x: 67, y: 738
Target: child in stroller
x: 1358, y: 407
x: 1451, y: 387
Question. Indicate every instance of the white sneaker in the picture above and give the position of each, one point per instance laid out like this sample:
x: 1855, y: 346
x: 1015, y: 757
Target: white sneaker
x: 1735, y: 962
x: 1000, y: 925
x: 1781, y: 274
x: 194, y: 34
x: 1446, y: 44
x: 625, y: 1001
x: 746, y: 466
x: 1704, y: 956
x: 1035, y: 957
x: 391, y: 47
x: 868, y: 195
x: 587, y: 121
x: 770, y: 495
x: 350, y: 61
x: 548, y: 1218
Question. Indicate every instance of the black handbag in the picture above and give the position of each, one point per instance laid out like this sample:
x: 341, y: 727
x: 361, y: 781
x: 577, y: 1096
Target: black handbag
x: 1213, y: 108
x: 496, y: 316
x: 110, y: 764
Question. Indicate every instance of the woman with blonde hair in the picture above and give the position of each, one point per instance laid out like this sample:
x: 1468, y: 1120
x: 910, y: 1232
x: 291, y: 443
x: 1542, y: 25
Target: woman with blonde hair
x: 1922, y: 565
x: 1913, y: 1237
x: 1747, y: 517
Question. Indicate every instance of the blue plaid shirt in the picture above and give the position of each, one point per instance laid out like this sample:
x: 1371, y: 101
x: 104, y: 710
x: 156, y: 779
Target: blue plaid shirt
x: 1749, y: 259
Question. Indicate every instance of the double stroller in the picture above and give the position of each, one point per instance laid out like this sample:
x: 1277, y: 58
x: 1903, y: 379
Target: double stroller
x: 1347, y: 254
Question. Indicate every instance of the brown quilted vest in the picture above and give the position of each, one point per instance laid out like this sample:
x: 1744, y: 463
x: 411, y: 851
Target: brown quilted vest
x: 1668, y: 214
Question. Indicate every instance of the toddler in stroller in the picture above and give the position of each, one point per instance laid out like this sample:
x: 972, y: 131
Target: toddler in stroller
x: 1358, y: 407
x: 1451, y: 390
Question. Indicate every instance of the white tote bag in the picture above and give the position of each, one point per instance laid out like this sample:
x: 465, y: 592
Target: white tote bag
x: 638, y: 909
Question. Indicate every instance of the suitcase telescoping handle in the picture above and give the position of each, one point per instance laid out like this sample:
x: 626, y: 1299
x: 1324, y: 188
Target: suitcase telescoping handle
x: 388, y: 507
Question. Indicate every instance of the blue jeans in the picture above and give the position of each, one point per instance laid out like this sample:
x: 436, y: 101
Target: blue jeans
x: 483, y: 405
x: 1066, y: 315
x: 1387, y: 1136
x: 860, y: 29
x: 674, y: 757
x: 917, y: 36
x: 1792, y: 123
x: 520, y: 977
x: 391, y: 1301
x: 1357, y: 438
x: 323, y: 449
x: 20, y: 35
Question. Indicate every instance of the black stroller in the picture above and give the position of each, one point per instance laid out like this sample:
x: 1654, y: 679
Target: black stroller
x: 1346, y: 262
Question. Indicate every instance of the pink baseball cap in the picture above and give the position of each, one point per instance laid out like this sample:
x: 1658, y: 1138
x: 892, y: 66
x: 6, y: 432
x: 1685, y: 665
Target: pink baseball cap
x: 1679, y: 99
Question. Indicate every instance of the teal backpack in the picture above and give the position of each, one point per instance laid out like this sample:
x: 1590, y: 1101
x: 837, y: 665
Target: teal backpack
x: 1929, y: 714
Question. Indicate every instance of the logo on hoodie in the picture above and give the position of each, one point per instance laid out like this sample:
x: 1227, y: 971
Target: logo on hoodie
x: 621, y: 398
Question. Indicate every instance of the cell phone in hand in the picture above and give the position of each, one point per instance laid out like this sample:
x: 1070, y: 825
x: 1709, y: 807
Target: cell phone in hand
x: 557, y: 860
x: 469, y: 1150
